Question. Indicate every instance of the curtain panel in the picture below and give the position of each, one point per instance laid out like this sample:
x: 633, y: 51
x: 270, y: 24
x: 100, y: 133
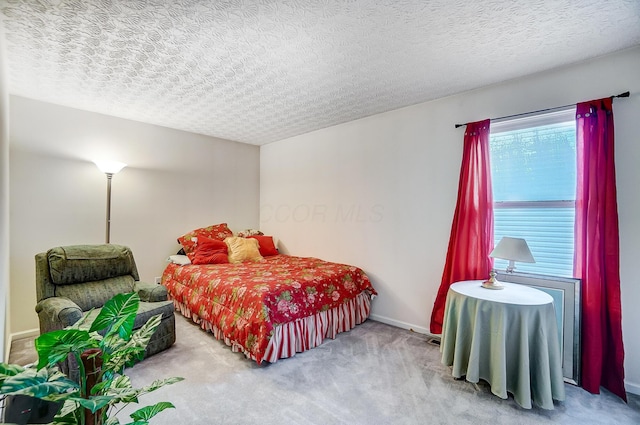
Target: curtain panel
x: 471, y: 238
x: 597, y: 251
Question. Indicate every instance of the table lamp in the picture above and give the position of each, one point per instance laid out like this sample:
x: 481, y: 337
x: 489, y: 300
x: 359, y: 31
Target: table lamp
x: 512, y: 249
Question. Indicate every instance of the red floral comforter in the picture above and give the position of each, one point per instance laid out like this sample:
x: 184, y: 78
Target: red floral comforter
x: 245, y: 301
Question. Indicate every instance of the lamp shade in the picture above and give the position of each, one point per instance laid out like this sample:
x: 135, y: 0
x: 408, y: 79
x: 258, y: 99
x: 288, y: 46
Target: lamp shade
x: 513, y: 249
x: 110, y: 167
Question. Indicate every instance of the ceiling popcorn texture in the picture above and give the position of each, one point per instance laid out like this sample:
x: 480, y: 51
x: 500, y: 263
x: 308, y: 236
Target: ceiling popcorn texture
x: 265, y: 70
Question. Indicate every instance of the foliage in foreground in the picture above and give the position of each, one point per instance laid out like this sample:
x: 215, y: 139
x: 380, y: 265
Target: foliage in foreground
x: 108, y: 346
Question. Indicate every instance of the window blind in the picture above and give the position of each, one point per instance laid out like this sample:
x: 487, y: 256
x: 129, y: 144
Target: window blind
x: 533, y: 166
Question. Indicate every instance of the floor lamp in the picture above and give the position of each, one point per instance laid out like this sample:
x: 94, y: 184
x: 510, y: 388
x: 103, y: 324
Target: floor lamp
x: 109, y: 168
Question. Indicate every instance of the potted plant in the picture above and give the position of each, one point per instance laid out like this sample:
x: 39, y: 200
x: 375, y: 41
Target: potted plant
x: 102, y: 350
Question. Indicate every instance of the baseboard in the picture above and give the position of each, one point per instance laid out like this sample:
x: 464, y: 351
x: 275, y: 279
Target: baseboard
x: 403, y: 325
x: 16, y: 336
x: 632, y: 388
x: 24, y: 334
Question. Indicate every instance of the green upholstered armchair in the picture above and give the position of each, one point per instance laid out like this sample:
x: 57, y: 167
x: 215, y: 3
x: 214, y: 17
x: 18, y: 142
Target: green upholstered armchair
x: 72, y: 280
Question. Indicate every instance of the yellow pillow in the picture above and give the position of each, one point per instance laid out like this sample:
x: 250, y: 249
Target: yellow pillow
x: 243, y: 249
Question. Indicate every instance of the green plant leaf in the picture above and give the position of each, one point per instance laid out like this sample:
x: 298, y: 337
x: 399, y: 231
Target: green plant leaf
x: 112, y: 343
x: 39, y: 383
x: 118, y: 315
x: 125, y: 356
x: 94, y: 403
x: 159, y: 383
x: 99, y: 387
x: 121, y: 382
x: 8, y: 370
x: 155, y: 385
x: 119, y: 347
x: 121, y: 386
x: 142, y: 336
x: 69, y: 414
x: 134, y: 348
x: 121, y: 389
x: 149, y: 412
x: 119, y: 328
x: 53, y: 347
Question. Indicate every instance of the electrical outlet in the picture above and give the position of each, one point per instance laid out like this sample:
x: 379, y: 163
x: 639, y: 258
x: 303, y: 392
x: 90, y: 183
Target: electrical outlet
x: 158, y: 279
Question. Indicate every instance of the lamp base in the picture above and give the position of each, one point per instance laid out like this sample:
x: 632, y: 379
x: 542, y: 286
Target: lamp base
x: 492, y: 282
x: 492, y: 285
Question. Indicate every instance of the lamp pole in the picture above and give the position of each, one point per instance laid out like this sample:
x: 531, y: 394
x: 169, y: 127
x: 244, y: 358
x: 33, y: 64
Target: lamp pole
x: 109, y: 168
x: 109, y: 176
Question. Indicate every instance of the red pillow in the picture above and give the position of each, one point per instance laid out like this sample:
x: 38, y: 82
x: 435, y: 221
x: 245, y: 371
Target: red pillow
x: 267, y: 247
x: 218, y: 231
x: 209, y: 251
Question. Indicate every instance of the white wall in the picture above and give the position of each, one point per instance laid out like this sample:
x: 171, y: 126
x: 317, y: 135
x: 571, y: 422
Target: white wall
x: 380, y: 192
x: 174, y: 182
x: 4, y: 201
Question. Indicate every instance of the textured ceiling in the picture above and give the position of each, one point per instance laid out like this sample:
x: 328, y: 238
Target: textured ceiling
x: 264, y: 70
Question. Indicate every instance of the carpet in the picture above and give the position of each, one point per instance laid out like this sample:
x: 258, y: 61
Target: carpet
x: 373, y: 374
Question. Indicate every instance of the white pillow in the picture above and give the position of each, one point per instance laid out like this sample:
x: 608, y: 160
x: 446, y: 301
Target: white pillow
x: 181, y: 260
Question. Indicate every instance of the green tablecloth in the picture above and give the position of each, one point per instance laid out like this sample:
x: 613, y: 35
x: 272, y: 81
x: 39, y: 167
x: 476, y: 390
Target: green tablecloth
x: 508, y: 338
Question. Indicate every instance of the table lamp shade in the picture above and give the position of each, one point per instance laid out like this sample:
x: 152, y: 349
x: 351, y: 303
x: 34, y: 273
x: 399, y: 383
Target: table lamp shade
x: 513, y: 249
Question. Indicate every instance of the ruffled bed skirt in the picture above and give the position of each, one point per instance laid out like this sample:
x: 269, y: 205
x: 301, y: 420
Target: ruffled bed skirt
x: 299, y: 335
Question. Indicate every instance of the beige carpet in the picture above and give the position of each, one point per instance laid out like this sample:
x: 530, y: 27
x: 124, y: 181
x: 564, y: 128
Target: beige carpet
x: 374, y: 374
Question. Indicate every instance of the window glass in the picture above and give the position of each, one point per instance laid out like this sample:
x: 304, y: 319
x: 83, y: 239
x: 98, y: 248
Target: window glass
x: 533, y: 166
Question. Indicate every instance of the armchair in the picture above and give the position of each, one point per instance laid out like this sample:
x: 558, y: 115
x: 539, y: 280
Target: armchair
x: 72, y: 280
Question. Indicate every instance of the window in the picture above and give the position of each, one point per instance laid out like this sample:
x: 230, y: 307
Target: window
x: 533, y: 171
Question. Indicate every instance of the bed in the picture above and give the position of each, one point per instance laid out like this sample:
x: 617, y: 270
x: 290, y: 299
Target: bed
x: 272, y: 308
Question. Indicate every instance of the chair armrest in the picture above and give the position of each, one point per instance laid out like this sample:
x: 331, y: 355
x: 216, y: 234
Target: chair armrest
x: 150, y: 292
x: 57, y: 313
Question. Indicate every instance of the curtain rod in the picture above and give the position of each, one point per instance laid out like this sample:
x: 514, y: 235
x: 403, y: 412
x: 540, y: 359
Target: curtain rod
x: 625, y: 94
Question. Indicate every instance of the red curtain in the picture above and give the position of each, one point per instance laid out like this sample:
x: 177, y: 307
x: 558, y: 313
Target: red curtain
x: 597, y: 252
x: 471, y: 238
